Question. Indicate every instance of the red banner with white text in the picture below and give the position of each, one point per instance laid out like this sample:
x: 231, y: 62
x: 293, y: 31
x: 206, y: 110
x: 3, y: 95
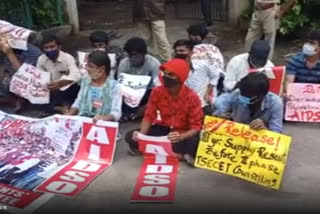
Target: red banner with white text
x: 157, y: 178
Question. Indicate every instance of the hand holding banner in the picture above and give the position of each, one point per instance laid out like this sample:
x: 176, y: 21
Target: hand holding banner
x: 17, y: 36
x: 235, y: 149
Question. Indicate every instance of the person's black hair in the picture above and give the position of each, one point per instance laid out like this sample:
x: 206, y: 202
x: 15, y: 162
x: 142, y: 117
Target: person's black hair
x: 256, y: 82
x: 49, y: 37
x: 314, y: 35
x: 99, y: 36
x: 100, y: 58
x: 183, y: 42
x: 137, y: 45
x: 198, y: 30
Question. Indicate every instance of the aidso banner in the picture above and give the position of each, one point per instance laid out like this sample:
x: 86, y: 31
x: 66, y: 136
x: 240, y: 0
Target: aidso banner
x: 235, y: 149
x: 157, y: 178
x: 276, y: 77
x: 17, y: 36
x: 58, y: 155
x: 133, y: 88
x: 303, y: 102
x: 31, y: 84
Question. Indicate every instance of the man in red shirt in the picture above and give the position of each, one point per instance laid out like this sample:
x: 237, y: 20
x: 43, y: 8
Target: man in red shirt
x: 180, y: 112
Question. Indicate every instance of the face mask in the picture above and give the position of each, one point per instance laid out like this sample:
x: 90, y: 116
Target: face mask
x: 309, y: 50
x: 181, y: 56
x: 95, y: 75
x: 53, y: 55
x: 246, y: 100
x: 169, y: 82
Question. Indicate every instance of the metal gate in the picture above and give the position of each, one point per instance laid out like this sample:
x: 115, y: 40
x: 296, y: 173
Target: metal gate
x: 192, y: 9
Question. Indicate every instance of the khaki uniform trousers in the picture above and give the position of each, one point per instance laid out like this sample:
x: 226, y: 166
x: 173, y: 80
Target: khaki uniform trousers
x: 154, y: 32
x: 263, y: 23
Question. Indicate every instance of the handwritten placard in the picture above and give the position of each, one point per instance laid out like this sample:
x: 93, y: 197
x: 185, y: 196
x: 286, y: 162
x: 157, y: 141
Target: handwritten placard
x: 235, y: 149
x: 303, y: 102
x: 133, y: 88
x: 31, y: 84
x: 17, y: 36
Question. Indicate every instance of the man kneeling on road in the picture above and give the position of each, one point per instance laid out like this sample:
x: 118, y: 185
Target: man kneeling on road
x: 180, y: 112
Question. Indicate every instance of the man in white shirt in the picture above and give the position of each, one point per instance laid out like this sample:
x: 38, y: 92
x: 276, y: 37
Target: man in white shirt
x: 63, y: 71
x: 206, y: 64
x: 239, y: 65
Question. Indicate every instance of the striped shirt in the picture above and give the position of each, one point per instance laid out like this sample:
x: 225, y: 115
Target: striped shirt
x: 298, y: 68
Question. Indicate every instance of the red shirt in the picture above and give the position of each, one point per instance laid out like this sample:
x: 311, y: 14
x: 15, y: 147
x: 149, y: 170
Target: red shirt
x: 181, y: 113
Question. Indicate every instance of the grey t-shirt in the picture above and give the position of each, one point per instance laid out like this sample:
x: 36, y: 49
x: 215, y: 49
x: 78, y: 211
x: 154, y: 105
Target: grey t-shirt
x: 149, y: 68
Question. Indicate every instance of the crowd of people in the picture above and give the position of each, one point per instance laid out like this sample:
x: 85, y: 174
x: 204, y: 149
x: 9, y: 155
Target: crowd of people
x: 188, y: 81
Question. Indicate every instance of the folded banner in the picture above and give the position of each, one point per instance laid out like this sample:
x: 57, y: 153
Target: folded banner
x: 31, y: 84
x: 83, y: 60
x: 133, y: 88
x: 58, y: 155
x: 303, y: 102
x: 157, y: 178
x: 235, y: 149
x: 17, y: 36
x: 276, y: 77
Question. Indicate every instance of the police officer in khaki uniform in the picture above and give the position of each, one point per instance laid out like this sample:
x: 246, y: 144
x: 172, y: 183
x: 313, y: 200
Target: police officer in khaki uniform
x: 265, y: 21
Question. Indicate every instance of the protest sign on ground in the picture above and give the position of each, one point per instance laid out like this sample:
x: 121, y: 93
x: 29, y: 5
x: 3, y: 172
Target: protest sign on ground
x: 235, y: 149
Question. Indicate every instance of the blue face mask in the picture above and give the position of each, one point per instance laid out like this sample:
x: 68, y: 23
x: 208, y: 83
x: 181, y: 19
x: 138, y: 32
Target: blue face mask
x: 53, y: 55
x: 246, y: 100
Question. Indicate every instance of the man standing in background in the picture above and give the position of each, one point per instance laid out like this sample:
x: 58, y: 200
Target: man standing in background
x: 150, y: 16
x: 206, y: 8
x: 265, y: 21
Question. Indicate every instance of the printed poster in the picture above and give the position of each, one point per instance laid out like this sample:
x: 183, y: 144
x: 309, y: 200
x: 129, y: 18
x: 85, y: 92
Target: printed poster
x: 59, y: 155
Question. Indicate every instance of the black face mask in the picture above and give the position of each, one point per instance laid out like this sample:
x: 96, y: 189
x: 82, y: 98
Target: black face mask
x: 181, y: 56
x: 169, y: 82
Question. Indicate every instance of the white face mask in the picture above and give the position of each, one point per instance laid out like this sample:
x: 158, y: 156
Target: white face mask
x: 309, y: 50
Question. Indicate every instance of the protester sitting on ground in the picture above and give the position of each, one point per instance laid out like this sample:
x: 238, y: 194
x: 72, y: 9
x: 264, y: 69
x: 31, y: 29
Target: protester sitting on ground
x: 100, y: 40
x: 138, y: 62
x: 180, y: 112
x: 63, y: 71
x: 13, y: 59
x: 239, y: 66
x: 100, y: 95
x: 304, y: 67
x: 206, y: 58
x: 252, y: 104
x: 202, y: 78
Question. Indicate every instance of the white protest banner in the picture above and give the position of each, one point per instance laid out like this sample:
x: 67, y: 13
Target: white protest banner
x: 31, y: 84
x: 83, y: 60
x: 303, y: 102
x: 133, y: 88
x: 17, y: 36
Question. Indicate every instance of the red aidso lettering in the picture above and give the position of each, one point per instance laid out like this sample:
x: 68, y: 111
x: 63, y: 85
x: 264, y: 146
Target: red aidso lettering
x: 74, y: 177
x: 247, y: 134
x: 70, y: 180
x: 156, y: 181
x: 307, y: 116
